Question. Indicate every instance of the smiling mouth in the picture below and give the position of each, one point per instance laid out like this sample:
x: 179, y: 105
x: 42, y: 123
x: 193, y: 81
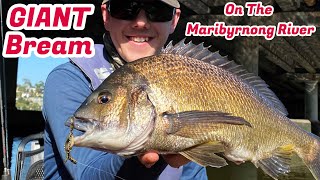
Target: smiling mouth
x: 139, y: 39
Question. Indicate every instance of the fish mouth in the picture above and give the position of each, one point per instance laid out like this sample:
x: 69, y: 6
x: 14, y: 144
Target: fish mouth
x: 85, y: 125
x: 82, y: 124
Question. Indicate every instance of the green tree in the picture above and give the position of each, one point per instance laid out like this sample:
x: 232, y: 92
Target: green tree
x: 29, y: 97
x: 39, y: 88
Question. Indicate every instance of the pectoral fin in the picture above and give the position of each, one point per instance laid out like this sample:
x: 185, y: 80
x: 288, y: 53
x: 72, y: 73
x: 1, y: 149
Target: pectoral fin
x: 204, y: 154
x: 194, y: 119
x: 278, y: 163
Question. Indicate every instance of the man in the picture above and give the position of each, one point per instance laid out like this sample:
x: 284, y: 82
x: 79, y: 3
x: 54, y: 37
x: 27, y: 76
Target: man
x: 135, y: 29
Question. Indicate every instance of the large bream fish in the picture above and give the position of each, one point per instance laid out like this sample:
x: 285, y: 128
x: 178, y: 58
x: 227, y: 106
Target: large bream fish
x: 191, y: 101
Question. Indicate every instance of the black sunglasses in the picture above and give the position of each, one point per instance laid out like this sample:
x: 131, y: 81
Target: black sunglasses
x: 156, y: 11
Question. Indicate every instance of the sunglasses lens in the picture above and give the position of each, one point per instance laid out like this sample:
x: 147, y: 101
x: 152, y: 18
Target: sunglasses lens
x: 128, y: 10
x: 125, y: 10
x: 159, y: 11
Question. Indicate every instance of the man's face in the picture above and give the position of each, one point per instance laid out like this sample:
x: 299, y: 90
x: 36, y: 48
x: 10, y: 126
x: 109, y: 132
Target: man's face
x: 140, y: 37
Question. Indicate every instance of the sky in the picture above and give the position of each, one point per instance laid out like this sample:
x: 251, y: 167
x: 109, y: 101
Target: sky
x: 37, y: 69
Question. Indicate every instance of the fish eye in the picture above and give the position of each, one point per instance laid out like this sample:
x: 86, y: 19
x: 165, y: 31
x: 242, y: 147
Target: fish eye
x: 104, y: 98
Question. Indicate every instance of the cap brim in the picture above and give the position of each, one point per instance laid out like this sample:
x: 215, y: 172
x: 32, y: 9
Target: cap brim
x: 173, y: 3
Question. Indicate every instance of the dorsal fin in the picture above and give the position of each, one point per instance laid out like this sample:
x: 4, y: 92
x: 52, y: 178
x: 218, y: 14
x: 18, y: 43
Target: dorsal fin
x: 204, y: 54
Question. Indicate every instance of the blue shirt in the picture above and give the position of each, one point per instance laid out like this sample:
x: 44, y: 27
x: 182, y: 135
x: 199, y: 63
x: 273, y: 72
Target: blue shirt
x: 65, y: 89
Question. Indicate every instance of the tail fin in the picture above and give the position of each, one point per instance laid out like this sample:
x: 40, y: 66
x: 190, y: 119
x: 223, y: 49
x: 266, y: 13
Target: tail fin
x: 311, y: 157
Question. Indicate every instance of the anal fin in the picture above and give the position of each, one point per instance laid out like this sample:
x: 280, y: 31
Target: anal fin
x: 278, y: 163
x: 204, y: 154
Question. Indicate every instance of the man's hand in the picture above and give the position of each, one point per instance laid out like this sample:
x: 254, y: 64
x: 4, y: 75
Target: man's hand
x: 174, y: 160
